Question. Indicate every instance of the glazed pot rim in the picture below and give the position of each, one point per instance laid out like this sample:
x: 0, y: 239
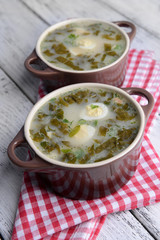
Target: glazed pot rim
x: 59, y: 24
x: 82, y: 86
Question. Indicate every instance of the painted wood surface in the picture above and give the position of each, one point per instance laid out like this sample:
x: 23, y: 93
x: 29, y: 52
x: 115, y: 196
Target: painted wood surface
x: 21, y: 22
x: 143, y: 13
x: 123, y: 226
x: 14, y: 107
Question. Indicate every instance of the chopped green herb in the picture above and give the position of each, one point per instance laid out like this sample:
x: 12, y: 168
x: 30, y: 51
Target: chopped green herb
x: 38, y: 137
x: 86, y: 33
x: 107, y: 36
x: 70, y: 157
x: 55, y: 122
x: 81, y: 121
x: 107, y: 47
x: 102, y: 131
x: 65, y: 150
x: 94, y: 106
x: 97, y: 141
x: 95, y: 122
x: 107, y: 102
x: 60, y: 48
x: 72, y: 36
x: 91, y: 150
x: 68, y: 63
x: 74, y: 131
x: 112, y: 53
x: 41, y: 115
x: 118, y: 37
x: 59, y: 33
x: 117, y: 47
x: 124, y: 134
x: 66, y: 121
x: 48, y: 53
x: 79, y: 153
x: 51, y: 107
x: 43, y: 131
x: 102, y: 93
x: 63, y: 102
x: 71, y: 39
x: 122, y: 115
x: 52, y: 100
x: 47, y: 146
x: 59, y: 113
x: 66, y: 143
x: 96, y: 32
x: 103, y: 57
x: 112, y: 131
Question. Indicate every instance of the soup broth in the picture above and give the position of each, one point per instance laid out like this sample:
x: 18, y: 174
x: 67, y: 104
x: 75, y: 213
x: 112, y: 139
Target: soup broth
x: 83, y: 46
x: 84, y: 126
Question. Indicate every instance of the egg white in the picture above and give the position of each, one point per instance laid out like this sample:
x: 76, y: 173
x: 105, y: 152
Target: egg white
x: 84, y: 113
x: 83, y: 45
x: 85, y: 134
x: 86, y: 43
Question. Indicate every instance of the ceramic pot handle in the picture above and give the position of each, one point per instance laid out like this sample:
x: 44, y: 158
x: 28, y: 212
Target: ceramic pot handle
x: 143, y: 93
x: 31, y: 165
x: 45, y: 73
x: 130, y: 25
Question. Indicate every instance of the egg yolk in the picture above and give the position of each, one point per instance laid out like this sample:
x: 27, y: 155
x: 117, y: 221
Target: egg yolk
x: 94, y: 111
x: 86, y: 43
x: 83, y: 46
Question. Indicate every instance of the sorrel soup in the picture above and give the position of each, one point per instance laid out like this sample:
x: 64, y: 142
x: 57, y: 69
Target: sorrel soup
x: 84, y: 126
x: 83, y: 46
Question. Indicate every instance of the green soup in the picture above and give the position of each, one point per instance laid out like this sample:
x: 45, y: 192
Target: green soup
x: 83, y: 46
x: 84, y: 126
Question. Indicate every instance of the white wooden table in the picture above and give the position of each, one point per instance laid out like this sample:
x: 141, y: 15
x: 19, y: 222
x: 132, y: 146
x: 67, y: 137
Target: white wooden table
x: 21, y: 22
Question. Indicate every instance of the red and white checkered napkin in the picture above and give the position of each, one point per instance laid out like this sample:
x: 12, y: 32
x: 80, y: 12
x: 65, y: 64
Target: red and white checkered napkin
x: 44, y: 215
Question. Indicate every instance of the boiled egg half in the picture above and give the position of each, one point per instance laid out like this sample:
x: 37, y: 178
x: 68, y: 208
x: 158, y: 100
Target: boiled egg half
x: 94, y: 111
x: 83, y: 45
x: 85, y: 133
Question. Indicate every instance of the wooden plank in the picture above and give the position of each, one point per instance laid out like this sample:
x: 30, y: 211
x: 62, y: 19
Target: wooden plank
x: 20, y: 29
x: 123, y: 226
x: 14, y: 107
x: 55, y: 11
x: 150, y: 217
x: 145, y: 14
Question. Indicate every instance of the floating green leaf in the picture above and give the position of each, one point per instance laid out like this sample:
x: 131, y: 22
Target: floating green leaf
x: 82, y: 121
x: 38, y: 137
x: 79, y: 153
x: 65, y: 150
x: 72, y: 36
x: 74, y: 131
x: 41, y: 115
x: 52, y: 100
x: 94, y: 106
x: 43, y: 131
x: 95, y: 122
x: 47, y: 146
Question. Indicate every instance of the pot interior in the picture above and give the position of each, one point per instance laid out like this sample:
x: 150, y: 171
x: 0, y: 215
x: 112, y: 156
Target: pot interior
x: 96, y: 86
x: 76, y: 52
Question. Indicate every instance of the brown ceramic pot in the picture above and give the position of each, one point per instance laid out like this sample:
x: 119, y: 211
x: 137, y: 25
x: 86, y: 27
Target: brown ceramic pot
x: 54, y: 77
x: 84, y: 181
